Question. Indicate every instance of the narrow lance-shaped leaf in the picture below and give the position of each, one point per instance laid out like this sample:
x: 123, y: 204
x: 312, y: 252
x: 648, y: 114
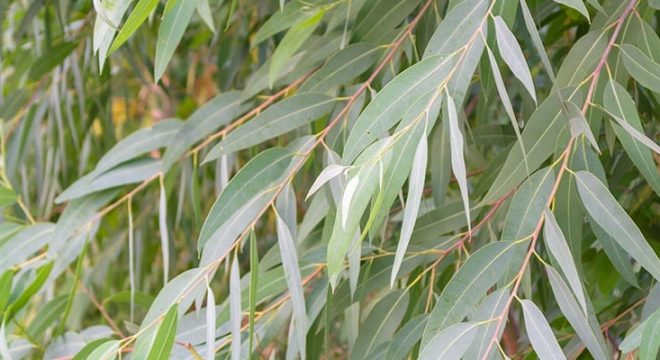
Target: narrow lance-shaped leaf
x: 578, y: 123
x: 278, y: 119
x: 607, y: 212
x: 291, y: 42
x: 571, y: 310
x: 451, y: 343
x: 643, y: 69
x: 620, y: 104
x: 380, y: 324
x: 210, y: 323
x: 540, y: 334
x: 575, y: 4
x: 650, y: 341
x: 457, y: 159
x: 415, y: 190
x: 556, y: 242
x: 513, y: 56
x: 162, y: 346
x: 139, y: 14
x: 480, y: 272
x: 536, y: 39
x: 254, y: 281
x: 164, y: 237
x: 294, y: 282
x: 175, y: 20
x: 326, y: 175
x: 506, y: 101
x: 235, y: 306
x: 105, y: 351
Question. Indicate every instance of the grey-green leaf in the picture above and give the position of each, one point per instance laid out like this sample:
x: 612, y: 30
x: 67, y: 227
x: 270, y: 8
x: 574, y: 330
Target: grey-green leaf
x: 381, y: 323
x: 650, y: 341
x: 451, y: 343
x: 571, y: 310
x: 513, y: 55
x: 236, y: 315
x: 392, y: 102
x: 643, y: 69
x: 607, y: 212
x: 294, y: 282
x: 575, y: 4
x: 481, y: 271
x: 620, y: 104
x: 175, y: 20
x: 278, y: 119
x: 291, y: 42
x: 540, y: 334
x: 556, y: 243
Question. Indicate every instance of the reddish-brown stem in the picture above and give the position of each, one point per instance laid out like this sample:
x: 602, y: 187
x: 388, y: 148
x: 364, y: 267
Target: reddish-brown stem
x: 564, y: 165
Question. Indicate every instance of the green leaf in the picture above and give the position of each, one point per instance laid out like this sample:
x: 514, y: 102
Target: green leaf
x: 342, y: 67
x: 129, y: 173
x: 457, y: 158
x: 622, y: 107
x: 650, y: 342
x: 291, y: 42
x: 540, y: 334
x: 489, y: 309
x: 210, y: 323
x: 569, y: 307
x: 254, y: 283
x: 236, y: 315
x: 105, y: 351
x: 278, y: 119
x: 381, y: 323
x: 219, y: 111
x: 480, y: 272
x: 279, y: 21
x: 578, y: 124
x: 406, y: 338
x: 536, y: 39
x: 294, y: 282
x: 164, y: 340
x: 104, y: 32
x: 643, y: 69
x: 556, y: 243
x: 248, y: 186
x: 24, y: 244
x: 450, y: 343
x: 90, y: 347
x: 392, y: 102
x: 415, y: 192
x: 6, y: 280
x: 139, y: 14
x: 617, y: 255
x: 513, y: 56
x: 609, y: 215
x: 178, y: 291
x: 365, y: 175
x: 50, y: 59
x: 457, y: 28
x: 7, y: 196
x: 175, y: 20
x: 575, y: 4
x: 377, y: 25
x: 205, y: 12
x: 41, y: 275
x: 528, y: 205
x: 139, y: 143
x: 162, y: 228
x: 545, y: 131
x: 48, y: 314
x: 581, y: 60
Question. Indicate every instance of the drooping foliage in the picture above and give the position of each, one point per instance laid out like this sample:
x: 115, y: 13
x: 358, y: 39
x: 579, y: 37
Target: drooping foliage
x: 362, y: 179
